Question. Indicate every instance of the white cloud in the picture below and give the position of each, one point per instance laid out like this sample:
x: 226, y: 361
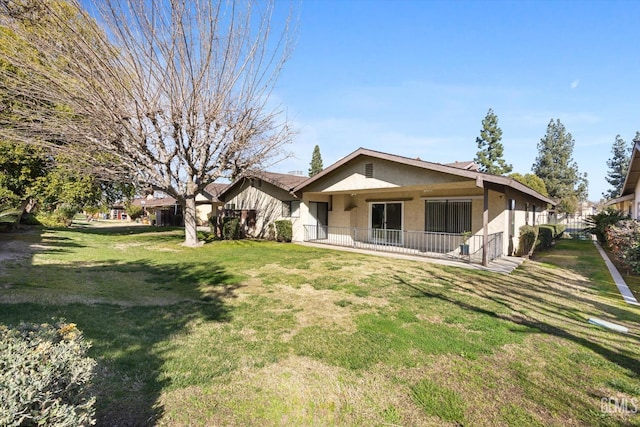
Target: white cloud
x: 575, y: 83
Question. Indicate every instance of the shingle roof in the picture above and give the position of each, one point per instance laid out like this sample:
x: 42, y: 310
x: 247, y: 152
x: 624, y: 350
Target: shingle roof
x: 281, y: 180
x: 438, y: 167
x: 213, y: 191
x: 468, y: 165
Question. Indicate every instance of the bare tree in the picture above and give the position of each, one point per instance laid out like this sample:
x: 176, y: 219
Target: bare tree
x: 174, y: 94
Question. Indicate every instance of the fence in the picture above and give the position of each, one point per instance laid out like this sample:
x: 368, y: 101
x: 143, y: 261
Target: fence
x: 422, y: 243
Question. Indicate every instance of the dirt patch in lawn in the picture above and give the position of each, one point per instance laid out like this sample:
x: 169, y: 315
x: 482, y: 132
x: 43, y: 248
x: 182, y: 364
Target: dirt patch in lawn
x: 296, y: 391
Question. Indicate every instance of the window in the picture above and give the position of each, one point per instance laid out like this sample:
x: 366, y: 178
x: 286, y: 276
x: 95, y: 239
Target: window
x: 291, y: 209
x: 447, y: 216
x: 368, y: 170
x: 230, y: 206
x: 526, y: 213
x: 512, y: 217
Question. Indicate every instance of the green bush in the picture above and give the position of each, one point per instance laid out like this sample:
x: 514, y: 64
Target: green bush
x: 599, y: 223
x: 284, y: 230
x: 527, y: 240
x: 230, y: 228
x: 60, y: 217
x: 134, y: 212
x: 546, y: 235
x: 45, y: 376
x: 624, y: 242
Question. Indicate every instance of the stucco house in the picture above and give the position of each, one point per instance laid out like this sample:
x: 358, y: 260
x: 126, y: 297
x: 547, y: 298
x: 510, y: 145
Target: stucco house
x: 381, y: 201
x: 629, y: 200
x: 208, y: 202
x: 260, y: 198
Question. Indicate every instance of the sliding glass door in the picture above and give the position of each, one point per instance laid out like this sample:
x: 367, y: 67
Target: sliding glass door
x: 386, y: 222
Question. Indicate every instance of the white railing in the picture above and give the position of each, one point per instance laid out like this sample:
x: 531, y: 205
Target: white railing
x: 428, y: 244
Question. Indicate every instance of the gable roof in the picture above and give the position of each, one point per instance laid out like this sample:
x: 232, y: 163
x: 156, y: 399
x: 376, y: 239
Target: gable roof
x: 633, y: 173
x: 468, y: 165
x: 500, y: 181
x: 213, y: 191
x: 283, y: 181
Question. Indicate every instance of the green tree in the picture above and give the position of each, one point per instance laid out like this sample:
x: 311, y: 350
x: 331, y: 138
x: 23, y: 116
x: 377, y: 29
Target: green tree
x: 316, y: 162
x: 489, y: 157
x: 557, y: 169
x: 532, y: 181
x: 22, y: 166
x: 172, y: 93
x: 618, y: 165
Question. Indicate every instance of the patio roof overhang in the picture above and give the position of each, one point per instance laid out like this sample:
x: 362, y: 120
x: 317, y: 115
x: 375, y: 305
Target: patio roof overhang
x: 463, y: 178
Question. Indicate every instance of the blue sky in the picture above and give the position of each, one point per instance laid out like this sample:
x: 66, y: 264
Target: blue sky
x: 416, y: 78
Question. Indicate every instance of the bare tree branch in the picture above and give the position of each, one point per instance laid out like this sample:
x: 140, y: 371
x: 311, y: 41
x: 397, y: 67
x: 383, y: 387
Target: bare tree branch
x: 174, y: 93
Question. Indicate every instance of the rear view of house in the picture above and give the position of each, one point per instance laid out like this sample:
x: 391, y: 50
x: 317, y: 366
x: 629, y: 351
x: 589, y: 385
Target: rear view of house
x: 380, y: 201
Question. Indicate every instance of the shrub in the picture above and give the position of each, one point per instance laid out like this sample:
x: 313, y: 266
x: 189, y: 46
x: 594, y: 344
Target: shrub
x: 231, y: 228
x: 44, y: 376
x: 284, y: 230
x: 527, y: 240
x: 559, y: 230
x: 134, y: 212
x: 599, y: 223
x: 546, y: 235
x: 60, y: 217
x: 624, y: 242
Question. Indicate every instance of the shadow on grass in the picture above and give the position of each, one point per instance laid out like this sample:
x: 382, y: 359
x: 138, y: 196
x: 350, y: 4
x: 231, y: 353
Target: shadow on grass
x: 131, y: 341
x: 514, y: 301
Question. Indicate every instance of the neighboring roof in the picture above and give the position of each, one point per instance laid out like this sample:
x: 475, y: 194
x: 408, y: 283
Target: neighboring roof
x: 213, y: 191
x: 469, y: 165
x: 438, y: 167
x: 633, y: 174
x: 620, y: 199
x: 281, y: 180
x: 154, y: 203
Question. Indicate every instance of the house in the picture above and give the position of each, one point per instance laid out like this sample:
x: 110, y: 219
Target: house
x: 381, y: 201
x: 208, y: 202
x: 629, y: 200
x: 162, y: 211
x: 260, y: 198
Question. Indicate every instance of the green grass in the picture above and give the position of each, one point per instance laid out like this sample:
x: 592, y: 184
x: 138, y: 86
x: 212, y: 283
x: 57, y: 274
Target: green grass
x: 263, y: 333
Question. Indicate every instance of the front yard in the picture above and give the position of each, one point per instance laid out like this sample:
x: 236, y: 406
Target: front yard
x: 261, y: 333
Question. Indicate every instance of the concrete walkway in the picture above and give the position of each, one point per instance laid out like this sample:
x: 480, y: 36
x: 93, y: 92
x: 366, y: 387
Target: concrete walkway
x: 624, y: 290
x: 503, y: 265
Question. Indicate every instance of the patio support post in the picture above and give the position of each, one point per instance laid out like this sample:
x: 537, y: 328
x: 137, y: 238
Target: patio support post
x: 485, y: 227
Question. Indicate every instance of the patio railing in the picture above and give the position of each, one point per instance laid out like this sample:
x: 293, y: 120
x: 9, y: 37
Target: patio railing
x: 422, y: 243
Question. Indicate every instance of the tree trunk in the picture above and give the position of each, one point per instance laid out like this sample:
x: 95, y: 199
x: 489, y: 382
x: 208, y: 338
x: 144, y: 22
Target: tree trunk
x: 190, y: 223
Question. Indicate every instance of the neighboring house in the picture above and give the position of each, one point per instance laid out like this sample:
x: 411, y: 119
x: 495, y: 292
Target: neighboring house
x: 208, y: 202
x: 629, y: 200
x: 118, y: 211
x: 380, y: 201
x: 167, y: 210
x: 261, y: 198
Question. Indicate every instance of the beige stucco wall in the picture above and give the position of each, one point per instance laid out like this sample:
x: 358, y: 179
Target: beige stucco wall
x: 635, y: 212
x: 267, y: 200
x: 352, y: 195
x: 387, y: 175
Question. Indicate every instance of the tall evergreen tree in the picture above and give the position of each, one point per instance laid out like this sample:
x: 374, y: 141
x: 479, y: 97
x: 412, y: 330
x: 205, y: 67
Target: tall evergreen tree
x: 556, y: 167
x: 489, y: 157
x: 316, y: 162
x: 618, y: 166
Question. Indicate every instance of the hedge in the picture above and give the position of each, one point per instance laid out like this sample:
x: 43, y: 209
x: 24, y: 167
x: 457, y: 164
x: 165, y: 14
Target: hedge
x: 284, y: 230
x: 45, y: 376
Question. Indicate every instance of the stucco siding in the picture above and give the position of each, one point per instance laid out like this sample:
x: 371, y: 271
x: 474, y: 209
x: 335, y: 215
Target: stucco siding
x: 267, y: 200
x: 384, y: 175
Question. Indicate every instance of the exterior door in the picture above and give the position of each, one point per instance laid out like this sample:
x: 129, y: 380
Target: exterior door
x: 319, y: 212
x: 386, y: 222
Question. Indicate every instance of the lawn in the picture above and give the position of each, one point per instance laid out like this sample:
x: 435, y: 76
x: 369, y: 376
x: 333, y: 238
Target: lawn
x: 269, y: 334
